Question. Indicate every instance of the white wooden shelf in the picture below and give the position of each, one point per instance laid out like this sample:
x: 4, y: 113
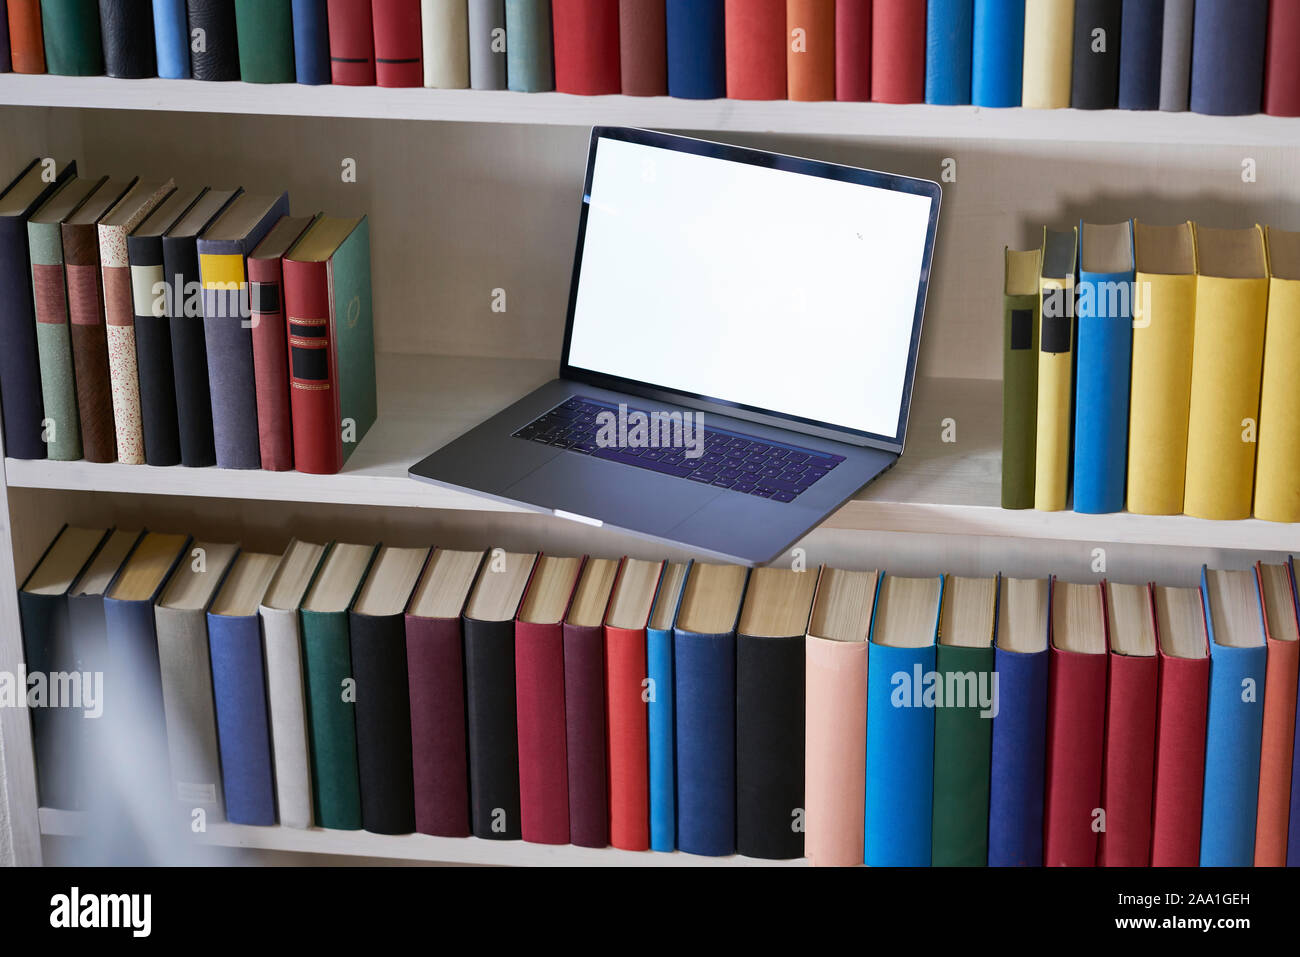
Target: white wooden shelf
x: 916, y: 121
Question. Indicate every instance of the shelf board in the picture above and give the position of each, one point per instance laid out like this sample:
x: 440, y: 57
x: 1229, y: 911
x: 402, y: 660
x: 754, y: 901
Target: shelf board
x: 915, y: 121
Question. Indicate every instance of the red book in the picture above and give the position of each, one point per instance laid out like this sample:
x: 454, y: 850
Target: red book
x: 352, y: 42
x: 399, y: 48
x: 1130, y: 727
x: 643, y: 47
x: 1281, y: 75
x: 1076, y: 719
x: 853, y: 50
x: 756, y: 42
x: 1184, y: 655
x: 811, y: 49
x: 26, y: 41
x: 1277, y: 741
x: 898, y: 51
x: 586, y: 46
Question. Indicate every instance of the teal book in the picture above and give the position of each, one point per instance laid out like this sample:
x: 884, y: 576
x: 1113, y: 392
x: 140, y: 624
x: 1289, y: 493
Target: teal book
x: 73, y: 46
x: 529, y: 62
x: 660, y: 715
x: 265, y: 31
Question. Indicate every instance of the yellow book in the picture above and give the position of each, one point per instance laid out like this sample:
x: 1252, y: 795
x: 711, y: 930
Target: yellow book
x: 1055, y: 369
x: 1049, y: 49
x: 1277, y: 474
x: 1227, y: 355
x: 1164, y: 317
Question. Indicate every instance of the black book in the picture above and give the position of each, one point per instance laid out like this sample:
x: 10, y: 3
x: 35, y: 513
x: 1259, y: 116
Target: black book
x: 214, y: 43
x: 127, y: 30
x: 1095, y: 84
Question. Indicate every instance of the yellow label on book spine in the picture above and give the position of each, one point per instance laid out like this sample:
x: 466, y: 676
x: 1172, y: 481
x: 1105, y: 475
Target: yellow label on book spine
x: 1277, y: 485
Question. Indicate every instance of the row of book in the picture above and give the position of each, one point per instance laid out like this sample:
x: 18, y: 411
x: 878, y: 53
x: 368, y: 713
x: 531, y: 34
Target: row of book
x: 150, y: 324
x: 842, y: 716
x: 1162, y: 379
x: 1210, y: 55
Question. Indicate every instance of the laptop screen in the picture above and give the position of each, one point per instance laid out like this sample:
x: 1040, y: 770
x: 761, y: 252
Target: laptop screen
x: 781, y: 286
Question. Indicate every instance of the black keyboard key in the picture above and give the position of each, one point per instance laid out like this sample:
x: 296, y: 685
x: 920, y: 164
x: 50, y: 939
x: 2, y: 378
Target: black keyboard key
x: 769, y: 472
x: 796, y: 457
x: 696, y: 477
x: 723, y: 483
x: 783, y: 496
x: 777, y: 485
x: 743, y: 487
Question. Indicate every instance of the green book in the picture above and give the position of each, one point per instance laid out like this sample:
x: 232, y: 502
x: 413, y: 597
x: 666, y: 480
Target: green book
x: 73, y: 46
x: 1020, y: 311
x: 265, y: 31
x: 963, y: 723
x: 330, y: 689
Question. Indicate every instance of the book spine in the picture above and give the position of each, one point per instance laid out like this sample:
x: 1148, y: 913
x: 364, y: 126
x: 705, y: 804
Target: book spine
x: 191, y: 714
x: 900, y: 760
x: 435, y: 666
x: 313, y: 402
x: 756, y: 44
x: 629, y: 756
x: 189, y: 353
x: 642, y: 48
x: 810, y: 49
x: 963, y: 742
x: 1017, y: 761
x: 26, y: 45
x: 265, y: 32
x: 1228, y: 48
x: 543, y: 761
x: 1180, y: 762
x: 286, y: 703
x: 311, y: 42
x: 1282, y: 85
x: 661, y: 740
x: 1232, y: 751
x: 585, y: 735
x: 1075, y: 744
x: 1097, y: 24
x: 171, y: 39
x: 384, y: 763
x: 696, y: 40
x: 6, y: 61
x: 214, y: 40
x: 835, y: 746
x: 398, y: 43
x: 948, y: 49
x: 123, y: 368
x: 445, y: 24
x: 270, y: 364
x: 853, y: 50
x: 352, y: 42
x: 493, y: 734
x: 1139, y: 55
x: 1277, y: 471
x: 73, y: 45
x: 20, y: 380
x: 127, y: 28
x: 1019, y: 399
x: 1277, y: 744
x: 1129, y: 766
x: 1049, y: 33
x: 229, y: 343
x: 239, y: 688
x: 1055, y: 392
x: 54, y: 345
x: 133, y: 670
x: 44, y: 623
x: 770, y: 747
x: 997, y: 52
x: 89, y: 342
x: 353, y: 339
x: 1105, y: 357
x: 153, y: 345
x: 487, y: 44
x: 586, y: 46
x: 898, y: 51
x: 1176, y: 55
x: 529, y: 67
x: 705, y: 695
x: 327, y: 664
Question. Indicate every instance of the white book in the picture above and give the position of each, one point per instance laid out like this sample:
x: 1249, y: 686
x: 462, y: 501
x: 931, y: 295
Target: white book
x: 445, y: 26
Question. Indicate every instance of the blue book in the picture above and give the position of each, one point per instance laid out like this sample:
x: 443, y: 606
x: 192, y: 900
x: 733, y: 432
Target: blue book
x: 901, y: 682
x: 530, y: 64
x: 1228, y: 42
x: 1104, y: 355
x: 1141, y: 39
x: 948, y: 37
x: 1234, y: 724
x: 997, y: 52
x: 171, y: 36
x: 659, y: 669
x: 311, y: 42
x: 697, y: 59
x: 1293, y: 830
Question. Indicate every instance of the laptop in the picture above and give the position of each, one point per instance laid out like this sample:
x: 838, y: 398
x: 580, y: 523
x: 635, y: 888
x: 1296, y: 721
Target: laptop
x: 739, y: 353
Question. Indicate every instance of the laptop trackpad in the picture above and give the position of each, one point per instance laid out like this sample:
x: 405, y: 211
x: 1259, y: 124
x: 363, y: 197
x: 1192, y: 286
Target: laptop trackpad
x: 618, y: 494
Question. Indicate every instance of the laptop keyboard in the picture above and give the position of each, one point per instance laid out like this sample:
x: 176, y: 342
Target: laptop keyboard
x: 730, y: 460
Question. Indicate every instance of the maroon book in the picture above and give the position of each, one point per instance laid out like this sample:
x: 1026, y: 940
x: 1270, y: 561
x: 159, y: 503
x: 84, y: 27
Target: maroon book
x: 586, y: 46
x: 399, y: 47
x: 853, y: 50
x: 1282, y: 75
x: 643, y: 47
x: 435, y: 667
x: 584, y: 718
x: 1130, y: 760
x: 539, y: 709
x: 352, y: 42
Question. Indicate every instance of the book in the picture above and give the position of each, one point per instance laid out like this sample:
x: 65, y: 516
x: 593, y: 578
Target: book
x: 171, y: 34
x: 835, y: 720
x: 1234, y: 719
x: 1095, y: 81
x: 1128, y: 767
x: 1104, y: 362
x: 897, y: 51
x: 1184, y: 671
x: 331, y: 685
x: 529, y: 57
x: 399, y: 43
x: 661, y: 722
x: 445, y: 29
x: 487, y: 44
x: 1282, y: 86
x: 1231, y: 308
x: 327, y: 307
x: 1293, y: 829
x: 213, y: 40
x: 1048, y: 56
x: 770, y: 707
x: 900, y: 722
x: 126, y: 27
x: 153, y: 342
x: 810, y: 49
x: 642, y: 48
x: 949, y: 29
x: 1017, y: 760
x: 1176, y: 55
x: 311, y: 42
x: 223, y: 249
x: 586, y: 46
x: 704, y: 693
x: 265, y: 32
x: 435, y: 667
x: 185, y: 323
x: 20, y: 380
x: 1055, y: 370
x: 696, y: 41
x: 997, y: 52
x: 1020, y: 327
x: 26, y: 46
x: 377, y: 628
x: 1139, y: 54
x: 185, y: 662
x: 286, y: 699
x: 6, y: 63
x: 73, y: 44
x: 1277, y: 737
x: 1228, y: 48
x: 1161, y: 392
x: 119, y: 312
x: 1277, y: 468
x: 270, y: 342
x: 757, y: 45
x: 351, y: 33
x: 628, y: 758
x: 853, y: 50
x: 1076, y: 721
x: 963, y: 727
x: 492, y: 732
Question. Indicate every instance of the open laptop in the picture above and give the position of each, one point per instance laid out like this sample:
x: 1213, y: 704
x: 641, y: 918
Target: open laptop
x: 741, y: 344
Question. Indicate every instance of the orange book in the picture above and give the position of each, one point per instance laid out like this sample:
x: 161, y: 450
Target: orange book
x: 810, y: 49
x: 1280, y: 623
x: 26, y: 43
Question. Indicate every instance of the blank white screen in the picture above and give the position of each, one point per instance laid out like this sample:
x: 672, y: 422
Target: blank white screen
x: 778, y: 290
